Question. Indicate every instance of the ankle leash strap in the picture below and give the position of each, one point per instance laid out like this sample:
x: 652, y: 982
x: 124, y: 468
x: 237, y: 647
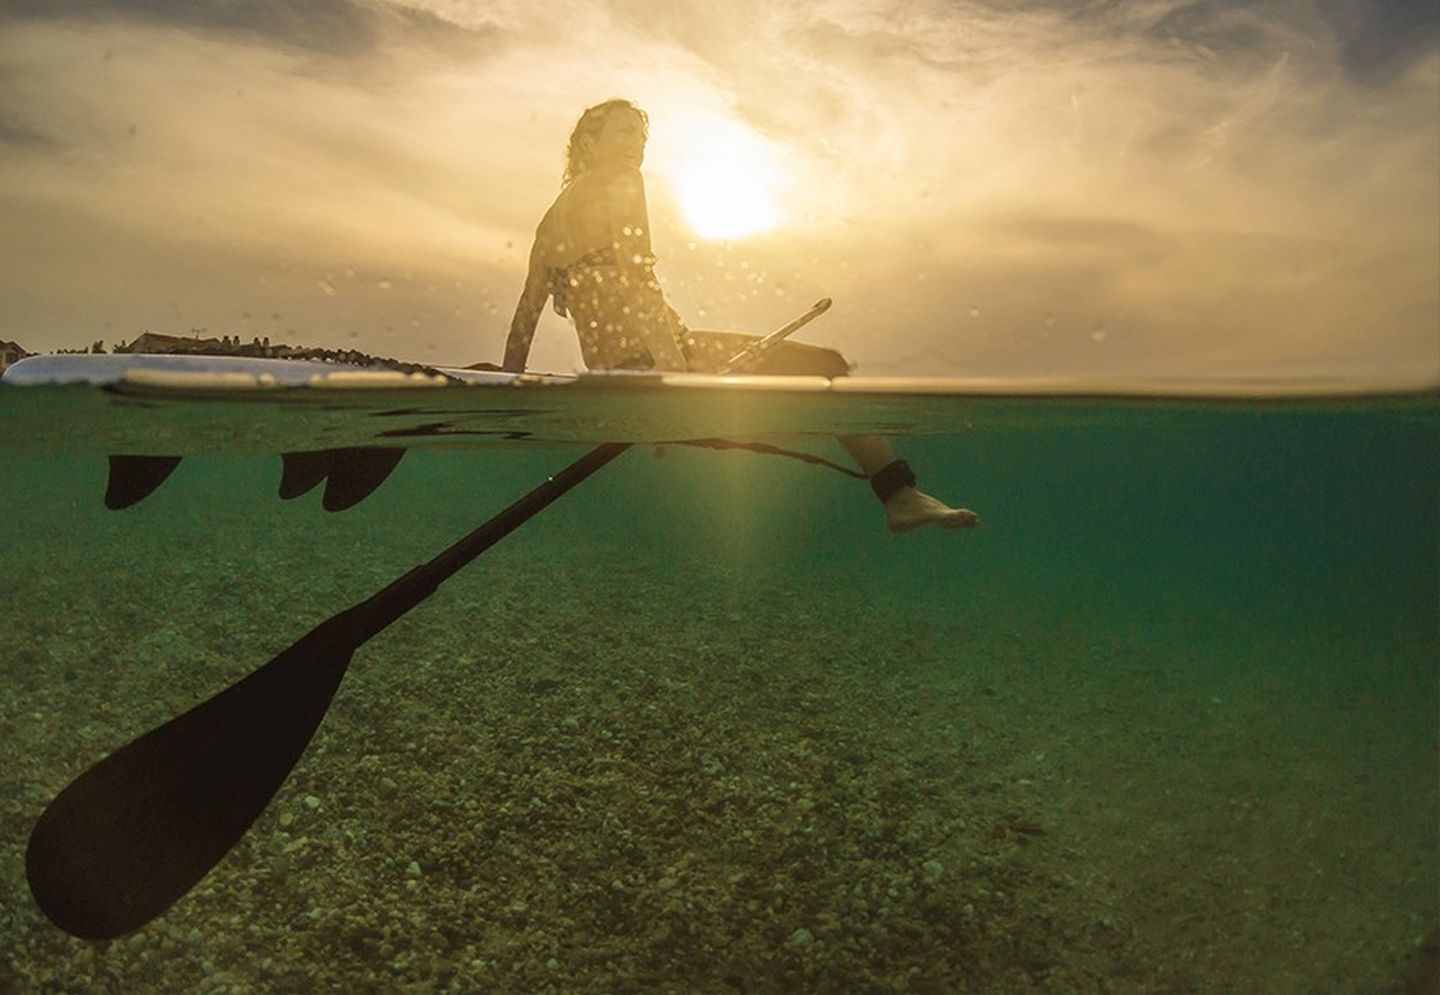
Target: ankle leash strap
x: 892, y: 478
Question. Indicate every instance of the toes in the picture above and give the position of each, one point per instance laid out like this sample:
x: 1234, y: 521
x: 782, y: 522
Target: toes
x: 961, y: 518
x: 948, y: 518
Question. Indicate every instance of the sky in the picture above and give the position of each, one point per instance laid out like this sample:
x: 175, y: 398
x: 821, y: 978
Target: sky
x: 1155, y: 188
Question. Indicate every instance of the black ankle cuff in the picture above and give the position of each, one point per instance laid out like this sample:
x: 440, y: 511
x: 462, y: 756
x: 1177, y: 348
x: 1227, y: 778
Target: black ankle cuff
x: 891, y: 479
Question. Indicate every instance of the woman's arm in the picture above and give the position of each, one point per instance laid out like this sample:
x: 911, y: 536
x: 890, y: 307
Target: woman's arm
x: 527, y: 312
x: 655, y: 322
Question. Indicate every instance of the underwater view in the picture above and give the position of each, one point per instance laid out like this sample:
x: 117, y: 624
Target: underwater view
x: 1166, y: 721
x: 444, y: 549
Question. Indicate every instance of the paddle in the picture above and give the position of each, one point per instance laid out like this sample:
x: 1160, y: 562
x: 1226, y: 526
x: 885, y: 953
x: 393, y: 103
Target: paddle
x: 136, y: 831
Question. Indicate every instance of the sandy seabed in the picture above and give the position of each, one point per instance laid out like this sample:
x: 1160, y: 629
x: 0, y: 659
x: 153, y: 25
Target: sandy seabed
x: 701, y: 782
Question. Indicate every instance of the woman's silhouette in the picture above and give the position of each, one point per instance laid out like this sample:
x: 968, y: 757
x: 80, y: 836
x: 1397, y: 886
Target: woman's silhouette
x: 592, y: 255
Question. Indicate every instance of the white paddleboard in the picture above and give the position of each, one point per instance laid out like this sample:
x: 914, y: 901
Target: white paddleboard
x: 241, y: 372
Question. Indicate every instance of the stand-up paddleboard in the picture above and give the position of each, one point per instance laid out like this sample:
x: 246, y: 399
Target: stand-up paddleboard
x: 240, y: 373
x: 383, y: 407
x: 350, y: 473
x: 237, y: 373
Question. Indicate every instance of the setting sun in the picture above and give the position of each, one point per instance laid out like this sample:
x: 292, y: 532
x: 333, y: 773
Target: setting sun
x: 725, y: 181
x: 722, y: 198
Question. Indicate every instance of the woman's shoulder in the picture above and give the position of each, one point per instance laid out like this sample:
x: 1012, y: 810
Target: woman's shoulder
x: 610, y: 170
x: 611, y: 179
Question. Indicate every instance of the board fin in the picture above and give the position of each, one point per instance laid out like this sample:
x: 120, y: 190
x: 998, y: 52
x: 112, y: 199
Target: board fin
x: 302, y: 471
x: 355, y: 473
x: 134, y: 478
x: 350, y: 475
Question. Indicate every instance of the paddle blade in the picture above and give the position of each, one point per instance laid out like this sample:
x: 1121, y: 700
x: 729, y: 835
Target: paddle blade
x: 136, y: 831
x: 134, y: 478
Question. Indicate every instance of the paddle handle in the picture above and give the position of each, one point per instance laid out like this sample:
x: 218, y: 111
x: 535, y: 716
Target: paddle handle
x: 747, y: 356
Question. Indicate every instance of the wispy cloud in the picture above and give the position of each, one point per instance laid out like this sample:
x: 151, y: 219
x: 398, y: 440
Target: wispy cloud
x: 1150, y: 187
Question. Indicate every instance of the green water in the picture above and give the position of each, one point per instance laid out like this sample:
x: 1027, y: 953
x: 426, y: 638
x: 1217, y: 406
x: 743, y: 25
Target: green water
x: 1167, y: 721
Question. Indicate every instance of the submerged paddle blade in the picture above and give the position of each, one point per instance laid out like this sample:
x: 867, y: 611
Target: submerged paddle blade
x: 136, y: 831
x: 134, y: 478
x: 355, y: 473
x: 302, y: 471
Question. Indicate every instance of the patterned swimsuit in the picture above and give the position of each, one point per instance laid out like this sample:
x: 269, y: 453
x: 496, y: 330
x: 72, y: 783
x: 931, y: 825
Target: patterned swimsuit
x: 563, y: 278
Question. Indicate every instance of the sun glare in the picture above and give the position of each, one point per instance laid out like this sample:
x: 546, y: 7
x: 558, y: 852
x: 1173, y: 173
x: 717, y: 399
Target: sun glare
x: 725, y: 182
x: 723, y: 199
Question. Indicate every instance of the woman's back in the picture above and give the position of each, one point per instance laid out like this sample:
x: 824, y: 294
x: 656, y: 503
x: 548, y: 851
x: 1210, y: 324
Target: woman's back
x: 595, y: 245
x: 580, y: 222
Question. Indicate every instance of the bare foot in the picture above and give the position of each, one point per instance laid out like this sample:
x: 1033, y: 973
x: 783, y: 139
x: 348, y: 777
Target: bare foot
x: 909, y: 509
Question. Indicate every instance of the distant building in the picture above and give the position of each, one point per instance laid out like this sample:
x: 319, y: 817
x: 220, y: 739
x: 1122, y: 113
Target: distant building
x: 10, y: 353
x: 226, y: 345
x: 156, y: 342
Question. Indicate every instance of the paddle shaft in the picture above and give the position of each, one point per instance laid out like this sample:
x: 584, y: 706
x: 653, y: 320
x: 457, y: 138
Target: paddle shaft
x: 414, y: 587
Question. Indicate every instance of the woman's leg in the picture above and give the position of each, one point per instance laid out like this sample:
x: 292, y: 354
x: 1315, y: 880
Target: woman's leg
x: 906, y: 507
x: 708, y: 352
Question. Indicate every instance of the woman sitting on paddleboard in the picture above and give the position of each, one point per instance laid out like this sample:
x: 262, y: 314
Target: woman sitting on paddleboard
x: 592, y: 255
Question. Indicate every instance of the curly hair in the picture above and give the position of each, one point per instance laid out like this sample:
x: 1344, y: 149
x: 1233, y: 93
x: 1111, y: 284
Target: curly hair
x: 589, y: 125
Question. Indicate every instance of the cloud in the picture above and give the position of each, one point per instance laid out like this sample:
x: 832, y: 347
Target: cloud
x: 338, y: 28
x: 20, y: 137
x: 1382, y: 40
x: 1140, y: 188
